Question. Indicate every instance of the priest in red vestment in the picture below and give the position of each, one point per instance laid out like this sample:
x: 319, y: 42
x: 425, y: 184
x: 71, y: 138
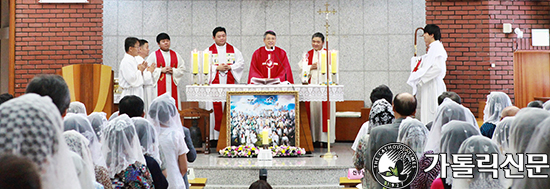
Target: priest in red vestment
x: 270, y: 61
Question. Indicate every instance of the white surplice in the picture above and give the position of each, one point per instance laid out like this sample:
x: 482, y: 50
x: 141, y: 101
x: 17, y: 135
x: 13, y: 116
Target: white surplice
x: 427, y: 81
x: 130, y: 78
x: 176, y: 76
x: 316, y: 108
x: 236, y: 69
x: 148, y: 86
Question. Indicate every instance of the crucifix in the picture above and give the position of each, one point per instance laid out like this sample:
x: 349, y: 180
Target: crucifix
x: 269, y: 64
x: 328, y: 155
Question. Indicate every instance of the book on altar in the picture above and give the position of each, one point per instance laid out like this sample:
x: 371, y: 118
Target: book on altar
x: 265, y: 81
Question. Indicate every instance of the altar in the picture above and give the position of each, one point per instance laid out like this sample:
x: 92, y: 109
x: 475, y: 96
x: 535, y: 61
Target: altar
x: 218, y: 93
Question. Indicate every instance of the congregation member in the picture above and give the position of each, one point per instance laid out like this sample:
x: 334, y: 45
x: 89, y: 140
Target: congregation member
x: 151, y: 152
x: 535, y: 104
x: 524, y: 126
x: 43, y: 142
x: 546, y: 105
x: 164, y: 116
x: 480, y: 145
x: 496, y: 102
x: 380, y: 92
x: 99, y: 122
x: 227, y: 68
x: 509, y: 111
x: 53, y: 86
x: 5, y: 97
x: 77, y: 108
x: 427, y: 73
x: 169, y: 70
x: 87, y: 174
x: 123, y: 155
x: 539, y: 144
x: 270, y: 62
x: 501, y: 136
x: 18, y: 172
x: 81, y: 124
x: 316, y: 111
x: 447, y: 94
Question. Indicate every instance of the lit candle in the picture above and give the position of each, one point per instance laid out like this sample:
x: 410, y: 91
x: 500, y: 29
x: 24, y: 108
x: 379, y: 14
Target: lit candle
x: 323, y: 62
x: 265, y: 137
x: 195, y: 62
x: 334, y: 61
x: 206, y: 62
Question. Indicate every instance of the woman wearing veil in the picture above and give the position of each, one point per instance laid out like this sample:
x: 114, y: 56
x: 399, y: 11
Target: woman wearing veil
x: 481, y: 145
x: 448, y: 110
x: 81, y: 124
x: 540, y: 144
x: 31, y: 129
x: 496, y: 102
x: 502, y: 134
x: 453, y: 134
x: 381, y: 113
x: 124, y: 156
x: 164, y: 115
x: 79, y: 144
x: 99, y: 122
x: 149, y: 145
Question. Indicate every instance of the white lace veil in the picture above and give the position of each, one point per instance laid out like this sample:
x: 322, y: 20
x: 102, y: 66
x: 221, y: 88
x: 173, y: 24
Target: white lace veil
x: 414, y: 134
x: 546, y: 105
x: 501, y: 136
x: 481, y: 145
x: 447, y: 111
x: 453, y: 134
x: 81, y: 124
x: 99, y: 122
x: 496, y: 102
x: 163, y: 113
x: 77, y: 108
x: 121, y: 145
x: 79, y: 144
x: 31, y: 127
x: 147, y: 137
x: 523, y: 127
x: 381, y: 113
x: 113, y: 116
x: 540, y: 144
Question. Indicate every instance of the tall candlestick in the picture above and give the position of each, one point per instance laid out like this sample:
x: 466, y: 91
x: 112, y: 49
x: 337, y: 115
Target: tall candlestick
x: 334, y: 62
x: 195, y: 62
x: 265, y: 137
x: 206, y: 62
x: 323, y: 62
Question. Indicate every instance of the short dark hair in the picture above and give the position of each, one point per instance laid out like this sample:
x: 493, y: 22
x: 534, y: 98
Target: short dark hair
x: 18, y: 172
x: 381, y: 92
x: 535, y: 104
x: 449, y: 94
x: 320, y: 35
x: 130, y: 42
x: 53, y: 86
x: 260, y: 184
x: 271, y: 32
x: 218, y: 29
x: 162, y: 36
x: 433, y: 29
x: 404, y: 106
x: 131, y: 105
x: 5, y: 97
x: 142, y: 42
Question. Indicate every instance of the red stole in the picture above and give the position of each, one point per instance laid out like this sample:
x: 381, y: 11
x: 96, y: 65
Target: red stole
x: 218, y: 113
x: 161, y: 84
x: 417, y: 65
x: 325, y: 103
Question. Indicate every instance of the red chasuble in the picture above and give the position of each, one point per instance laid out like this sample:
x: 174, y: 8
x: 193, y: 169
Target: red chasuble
x: 325, y: 103
x: 218, y: 113
x: 161, y: 83
x: 280, y: 66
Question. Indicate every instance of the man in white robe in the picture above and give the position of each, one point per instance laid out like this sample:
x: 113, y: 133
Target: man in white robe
x: 427, y: 73
x: 309, y: 66
x: 148, y: 84
x: 227, y: 68
x: 169, y: 70
x: 130, y: 71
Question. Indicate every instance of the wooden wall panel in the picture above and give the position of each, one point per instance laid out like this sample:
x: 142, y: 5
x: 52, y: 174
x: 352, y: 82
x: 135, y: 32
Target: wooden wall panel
x: 531, y: 76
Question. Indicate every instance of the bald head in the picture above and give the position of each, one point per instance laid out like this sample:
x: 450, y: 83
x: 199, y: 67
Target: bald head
x: 509, y: 111
x: 404, y: 104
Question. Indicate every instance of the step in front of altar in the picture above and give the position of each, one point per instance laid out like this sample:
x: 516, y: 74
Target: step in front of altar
x: 278, y: 176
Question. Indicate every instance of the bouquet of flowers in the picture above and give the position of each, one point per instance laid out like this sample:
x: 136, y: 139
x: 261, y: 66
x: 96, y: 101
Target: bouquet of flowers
x: 287, y: 151
x: 239, y: 151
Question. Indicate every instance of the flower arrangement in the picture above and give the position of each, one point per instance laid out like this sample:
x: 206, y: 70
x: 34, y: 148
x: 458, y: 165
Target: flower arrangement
x: 252, y: 151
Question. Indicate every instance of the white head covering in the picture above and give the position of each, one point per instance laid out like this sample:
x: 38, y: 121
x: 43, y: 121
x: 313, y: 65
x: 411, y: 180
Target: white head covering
x: 147, y: 137
x: 113, y: 116
x: 99, y: 122
x: 496, y: 102
x: 414, y: 134
x: 80, y: 123
x: 540, y: 144
x: 77, y: 108
x: 453, y: 134
x: 447, y: 111
x: 163, y: 112
x: 79, y: 144
x: 121, y: 145
x: 546, y: 105
x: 523, y: 127
x: 29, y: 127
x: 381, y: 113
x: 480, y: 145
x: 502, y: 134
